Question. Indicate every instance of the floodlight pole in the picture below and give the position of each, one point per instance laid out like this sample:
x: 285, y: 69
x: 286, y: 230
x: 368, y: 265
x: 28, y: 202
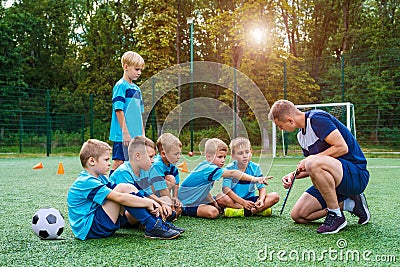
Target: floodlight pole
x: 190, y: 22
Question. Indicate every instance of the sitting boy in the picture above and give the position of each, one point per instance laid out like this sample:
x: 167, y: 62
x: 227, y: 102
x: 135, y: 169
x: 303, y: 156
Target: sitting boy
x: 130, y: 173
x: 164, y: 174
x: 239, y: 197
x: 97, y: 207
x: 195, y: 189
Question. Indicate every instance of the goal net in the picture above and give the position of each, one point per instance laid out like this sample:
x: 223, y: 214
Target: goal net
x: 344, y: 112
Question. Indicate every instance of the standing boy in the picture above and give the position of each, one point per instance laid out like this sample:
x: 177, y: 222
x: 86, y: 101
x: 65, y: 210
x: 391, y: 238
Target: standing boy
x: 97, y: 207
x: 164, y: 174
x: 127, y: 108
x: 334, y: 162
x: 195, y: 189
x: 238, y: 196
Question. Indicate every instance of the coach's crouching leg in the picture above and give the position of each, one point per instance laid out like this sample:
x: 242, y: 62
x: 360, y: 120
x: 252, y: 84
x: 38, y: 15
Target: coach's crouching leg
x: 307, y: 209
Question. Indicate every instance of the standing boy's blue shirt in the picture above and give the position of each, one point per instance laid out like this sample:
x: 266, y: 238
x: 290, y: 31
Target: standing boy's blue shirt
x: 244, y: 189
x: 85, y: 195
x: 159, y: 170
x: 128, y: 98
x: 124, y: 174
x: 195, y: 188
x: 319, y: 124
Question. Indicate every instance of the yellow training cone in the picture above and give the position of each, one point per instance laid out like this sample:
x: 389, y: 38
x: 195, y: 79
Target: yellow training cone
x: 60, y: 169
x: 183, y: 167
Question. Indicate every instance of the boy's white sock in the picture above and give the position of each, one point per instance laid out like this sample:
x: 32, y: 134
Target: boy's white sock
x: 348, y: 204
x: 337, y: 211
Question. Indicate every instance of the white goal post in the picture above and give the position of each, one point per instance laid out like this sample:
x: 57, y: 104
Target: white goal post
x: 342, y: 111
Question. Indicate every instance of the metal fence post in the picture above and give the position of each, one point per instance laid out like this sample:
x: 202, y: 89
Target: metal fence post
x: 153, y: 112
x: 91, y: 115
x: 21, y: 131
x: 48, y: 124
x: 342, y: 67
x: 83, y: 129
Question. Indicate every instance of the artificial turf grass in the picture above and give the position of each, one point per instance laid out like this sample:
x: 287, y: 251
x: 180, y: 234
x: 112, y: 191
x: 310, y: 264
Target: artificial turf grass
x: 221, y: 242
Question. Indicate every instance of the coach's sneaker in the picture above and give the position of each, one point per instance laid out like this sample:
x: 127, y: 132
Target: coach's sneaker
x: 161, y: 231
x: 174, y: 227
x: 266, y: 212
x: 361, y: 208
x: 332, y: 223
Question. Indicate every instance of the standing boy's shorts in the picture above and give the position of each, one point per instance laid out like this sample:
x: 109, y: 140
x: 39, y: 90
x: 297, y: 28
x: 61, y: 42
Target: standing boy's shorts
x: 120, y: 152
x: 354, y: 182
x: 103, y: 226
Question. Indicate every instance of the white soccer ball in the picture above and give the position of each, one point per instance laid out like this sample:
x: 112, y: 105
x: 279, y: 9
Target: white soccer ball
x: 48, y: 223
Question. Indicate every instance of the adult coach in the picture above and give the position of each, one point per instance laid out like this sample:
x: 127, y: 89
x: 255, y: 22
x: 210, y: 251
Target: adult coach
x: 334, y: 162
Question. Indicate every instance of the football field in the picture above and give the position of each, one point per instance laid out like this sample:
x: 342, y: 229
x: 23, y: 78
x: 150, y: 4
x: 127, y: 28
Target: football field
x: 251, y: 241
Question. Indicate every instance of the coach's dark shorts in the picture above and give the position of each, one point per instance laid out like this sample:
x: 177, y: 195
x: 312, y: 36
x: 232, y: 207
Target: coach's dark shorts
x: 120, y: 151
x: 354, y: 182
x: 103, y: 226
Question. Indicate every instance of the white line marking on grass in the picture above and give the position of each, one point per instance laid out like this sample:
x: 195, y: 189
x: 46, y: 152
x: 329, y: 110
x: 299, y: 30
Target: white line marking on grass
x: 383, y: 167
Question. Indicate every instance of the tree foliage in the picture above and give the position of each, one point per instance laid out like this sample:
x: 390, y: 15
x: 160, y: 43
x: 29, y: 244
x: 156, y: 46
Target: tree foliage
x: 298, y: 49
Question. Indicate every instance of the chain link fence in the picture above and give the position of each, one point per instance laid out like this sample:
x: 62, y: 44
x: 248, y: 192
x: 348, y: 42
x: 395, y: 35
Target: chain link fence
x: 49, y: 121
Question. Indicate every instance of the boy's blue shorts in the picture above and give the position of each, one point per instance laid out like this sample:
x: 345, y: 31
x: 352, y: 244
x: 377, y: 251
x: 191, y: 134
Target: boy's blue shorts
x: 190, y: 211
x: 120, y: 151
x: 252, y: 199
x: 103, y: 226
x: 354, y: 182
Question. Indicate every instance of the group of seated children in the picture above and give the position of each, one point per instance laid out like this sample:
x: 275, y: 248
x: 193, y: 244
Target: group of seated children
x: 145, y: 190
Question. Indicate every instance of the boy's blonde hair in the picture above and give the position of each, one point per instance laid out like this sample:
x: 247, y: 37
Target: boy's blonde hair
x: 215, y: 145
x: 168, y: 141
x: 139, y: 144
x: 93, y: 148
x: 239, y: 142
x: 132, y: 59
x: 280, y: 109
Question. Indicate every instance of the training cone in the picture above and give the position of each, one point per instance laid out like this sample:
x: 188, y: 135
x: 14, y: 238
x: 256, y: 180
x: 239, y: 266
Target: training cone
x: 38, y: 166
x: 60, y: 169
x: 183, y: 167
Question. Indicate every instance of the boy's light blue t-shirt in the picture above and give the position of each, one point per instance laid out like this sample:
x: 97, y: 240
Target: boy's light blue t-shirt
x: 86, y: 194
x: 195, y: 188
x: 159, y: 170
x: 243, y: 189
x: 128, y: 98
x: 124, y: 174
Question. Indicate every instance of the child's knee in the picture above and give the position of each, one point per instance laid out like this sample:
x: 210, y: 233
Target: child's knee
x: 209, y: 212
x: 170, y: 179
x: 126, y: 188
x: 213, y: 213
x: 274, y: 197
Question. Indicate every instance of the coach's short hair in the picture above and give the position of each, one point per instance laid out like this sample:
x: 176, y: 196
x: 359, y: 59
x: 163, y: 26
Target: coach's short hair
x: 215, y: 145
x: 280, y: 109
x: 139, y: 144
x: 93, y: 148
x: 132, y: 59
x: 168, y: 141
x: 239, y: 142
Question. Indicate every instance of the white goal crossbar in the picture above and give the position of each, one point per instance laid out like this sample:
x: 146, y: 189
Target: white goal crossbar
x: 350, y: 120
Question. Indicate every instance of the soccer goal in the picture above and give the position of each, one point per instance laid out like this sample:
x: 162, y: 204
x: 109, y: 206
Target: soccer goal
x: 344, y: 112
